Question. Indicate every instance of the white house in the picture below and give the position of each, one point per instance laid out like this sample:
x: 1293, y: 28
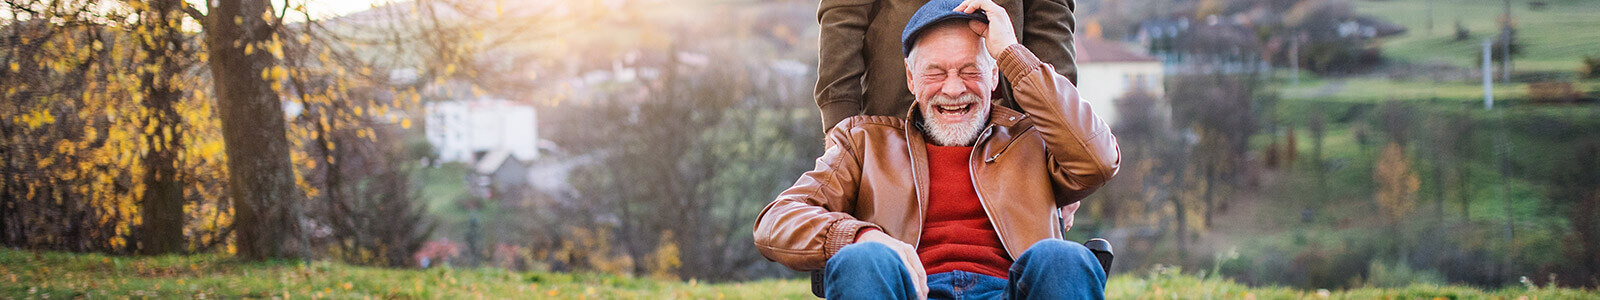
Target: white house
x: 1107, y: 70
x: 460, y: 129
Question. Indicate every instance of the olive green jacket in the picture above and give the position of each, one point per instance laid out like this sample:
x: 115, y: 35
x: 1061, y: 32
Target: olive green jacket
x: 862, y: 69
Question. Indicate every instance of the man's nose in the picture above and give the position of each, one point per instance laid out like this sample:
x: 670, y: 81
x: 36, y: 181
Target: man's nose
x: 953, y: 86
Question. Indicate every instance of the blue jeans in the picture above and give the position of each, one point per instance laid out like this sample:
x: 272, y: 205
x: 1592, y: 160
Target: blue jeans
x: 1050, y: 269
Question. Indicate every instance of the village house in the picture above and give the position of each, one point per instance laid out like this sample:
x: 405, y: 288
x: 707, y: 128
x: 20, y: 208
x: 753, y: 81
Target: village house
x: 1107, y: 70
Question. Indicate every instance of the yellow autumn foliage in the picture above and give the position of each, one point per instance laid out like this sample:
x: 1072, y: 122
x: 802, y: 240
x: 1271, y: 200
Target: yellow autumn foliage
x: 1397, y: 182
x: 91, y: 138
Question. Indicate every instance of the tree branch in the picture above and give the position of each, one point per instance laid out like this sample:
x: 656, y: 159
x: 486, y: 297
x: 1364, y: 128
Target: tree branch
x: 278, y: 24
x: 194, y: 13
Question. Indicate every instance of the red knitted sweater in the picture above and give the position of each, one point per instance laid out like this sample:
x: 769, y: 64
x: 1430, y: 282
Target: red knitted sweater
x: 957, y: 234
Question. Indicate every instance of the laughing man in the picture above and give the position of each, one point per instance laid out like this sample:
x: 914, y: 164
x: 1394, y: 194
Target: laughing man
x: 957, y: 199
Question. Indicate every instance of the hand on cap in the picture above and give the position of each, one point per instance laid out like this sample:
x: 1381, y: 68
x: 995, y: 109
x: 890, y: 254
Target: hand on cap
x: 998, y: 33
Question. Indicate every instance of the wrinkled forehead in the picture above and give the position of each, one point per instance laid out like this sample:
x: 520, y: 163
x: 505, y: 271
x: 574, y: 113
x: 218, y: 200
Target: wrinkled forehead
x: 948, y: 44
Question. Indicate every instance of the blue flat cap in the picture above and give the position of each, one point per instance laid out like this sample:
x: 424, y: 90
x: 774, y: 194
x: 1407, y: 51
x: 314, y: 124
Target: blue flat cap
x: 932, y: 13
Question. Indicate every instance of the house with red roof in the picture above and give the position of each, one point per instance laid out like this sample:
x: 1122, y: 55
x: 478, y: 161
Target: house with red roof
x: 1107, y: 70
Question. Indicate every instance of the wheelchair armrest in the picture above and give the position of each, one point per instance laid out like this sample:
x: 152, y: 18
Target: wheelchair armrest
x: 1102, y: 252
x: 816, y: 284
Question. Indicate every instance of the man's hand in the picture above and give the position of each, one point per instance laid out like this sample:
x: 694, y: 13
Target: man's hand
x: 998, y: 33
x: 908, y: 256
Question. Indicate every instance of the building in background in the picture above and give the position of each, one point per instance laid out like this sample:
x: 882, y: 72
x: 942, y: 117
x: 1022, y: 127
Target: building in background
x: 1107, y: 70
x: 467, y: 130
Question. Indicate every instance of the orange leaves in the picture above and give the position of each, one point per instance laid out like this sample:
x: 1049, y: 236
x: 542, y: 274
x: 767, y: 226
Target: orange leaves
x: 66, y: 147
x: 275, y: 46
x: 150, y: 128
x: 274, y: 73
x: 37, y: 118
x: 137, y: 5
x: 1397, y: 183
x: 211, y: 148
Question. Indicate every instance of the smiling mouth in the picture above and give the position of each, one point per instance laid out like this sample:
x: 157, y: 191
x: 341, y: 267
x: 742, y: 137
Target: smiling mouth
x: 953, y: 109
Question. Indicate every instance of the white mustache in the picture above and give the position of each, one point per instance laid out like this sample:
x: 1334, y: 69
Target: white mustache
x: 942, y: 99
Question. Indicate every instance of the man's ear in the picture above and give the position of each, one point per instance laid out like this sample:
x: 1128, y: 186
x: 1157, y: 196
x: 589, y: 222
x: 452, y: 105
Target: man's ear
x: 909, y: 82
x: 994, y: 79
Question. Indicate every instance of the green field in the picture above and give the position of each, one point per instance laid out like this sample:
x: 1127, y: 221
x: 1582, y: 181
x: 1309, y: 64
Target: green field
x: 1556, y: 37
x: 1555, y: 40
x: 25, y: 274
x: 1377, y: 89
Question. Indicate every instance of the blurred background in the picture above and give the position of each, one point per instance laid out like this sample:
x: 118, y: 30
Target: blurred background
x: 1310, y: 144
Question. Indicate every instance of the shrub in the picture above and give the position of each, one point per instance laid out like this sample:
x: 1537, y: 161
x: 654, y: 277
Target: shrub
x: 1399, y: 274
x: 1591, y: 67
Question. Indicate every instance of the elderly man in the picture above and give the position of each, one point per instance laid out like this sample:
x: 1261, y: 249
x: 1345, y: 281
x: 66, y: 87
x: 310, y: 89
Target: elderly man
x: 957, y: 199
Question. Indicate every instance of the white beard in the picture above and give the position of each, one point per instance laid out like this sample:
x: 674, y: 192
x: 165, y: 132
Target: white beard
x: 956, y: 134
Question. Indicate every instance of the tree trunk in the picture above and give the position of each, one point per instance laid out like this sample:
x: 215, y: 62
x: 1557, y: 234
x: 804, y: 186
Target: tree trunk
x: 161, y: 204
x: 1464, y: 185
x: 340, y: 215
x: 260, y: 177
x: 7, y: 200
x: 1211, y: 180
x: 1505, y: 43
x: 1438, y: 187
x: 1430, y: 17
x: 1181, y: 216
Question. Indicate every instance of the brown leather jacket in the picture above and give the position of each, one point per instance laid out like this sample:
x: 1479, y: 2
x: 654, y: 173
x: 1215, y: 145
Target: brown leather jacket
x: 875, y: 173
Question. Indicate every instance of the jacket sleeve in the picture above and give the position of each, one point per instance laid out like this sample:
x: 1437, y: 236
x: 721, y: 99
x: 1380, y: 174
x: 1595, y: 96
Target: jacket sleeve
x: 1082, y: 152
x: 841, y: 66
x: 1047, y: 31
x: 811, y: 220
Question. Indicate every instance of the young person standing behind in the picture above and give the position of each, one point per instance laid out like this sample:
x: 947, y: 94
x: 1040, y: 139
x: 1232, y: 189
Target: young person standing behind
x: 862, y: 67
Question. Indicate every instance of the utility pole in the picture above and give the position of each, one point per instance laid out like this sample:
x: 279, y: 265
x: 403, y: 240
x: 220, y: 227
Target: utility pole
x: 1505, y: 43
x: 1430, y: 17
x: 1294, y: 58
x: 1488, y: 77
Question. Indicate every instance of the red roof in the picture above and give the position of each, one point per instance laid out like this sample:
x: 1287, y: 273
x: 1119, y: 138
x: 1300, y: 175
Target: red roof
x: 1094, y: 49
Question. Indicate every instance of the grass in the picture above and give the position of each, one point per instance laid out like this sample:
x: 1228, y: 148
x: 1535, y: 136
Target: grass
x: 1555, y: 40
x: 442, y: 189
x: 1555, y: 37
x: 1169, y: 284
x: 27, y: 274
x: 1378, y: 89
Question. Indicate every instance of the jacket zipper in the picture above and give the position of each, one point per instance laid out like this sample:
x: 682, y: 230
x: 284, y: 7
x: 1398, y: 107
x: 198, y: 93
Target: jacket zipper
x: 1013, y: 141
x: 922, y: 213
x: 979, y: 190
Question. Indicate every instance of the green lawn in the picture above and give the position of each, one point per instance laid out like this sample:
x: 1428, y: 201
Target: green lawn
x: 1555, y: 40
x: 1556, y: 37
x: 1378, y: 89
x: 61, y: 275
x: 25, y: 274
